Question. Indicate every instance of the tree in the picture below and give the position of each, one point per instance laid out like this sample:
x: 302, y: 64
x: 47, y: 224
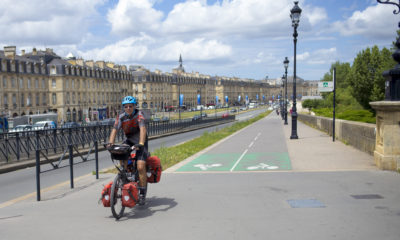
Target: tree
x: 365, y: 77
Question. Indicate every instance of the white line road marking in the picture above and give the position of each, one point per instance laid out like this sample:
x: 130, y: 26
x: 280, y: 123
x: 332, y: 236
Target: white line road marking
x: 239, y: 159
x: 255, y: 139
x: 207, y: 166
x: 251, y: 144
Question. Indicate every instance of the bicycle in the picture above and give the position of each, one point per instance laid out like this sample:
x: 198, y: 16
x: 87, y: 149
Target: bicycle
x: 127, y: 173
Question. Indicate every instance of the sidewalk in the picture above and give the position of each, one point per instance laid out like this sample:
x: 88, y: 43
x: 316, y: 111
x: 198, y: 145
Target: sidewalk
x: 315, y: 151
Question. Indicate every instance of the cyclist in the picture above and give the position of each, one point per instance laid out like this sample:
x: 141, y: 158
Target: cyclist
x: 132, y: 122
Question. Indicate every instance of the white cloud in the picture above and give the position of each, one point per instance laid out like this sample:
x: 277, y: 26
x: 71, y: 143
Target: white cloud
x: 134, y: 16
x: 127, y: 50
x: 319, y: 56
x: 46, y: 21
x: 374, y: 22
x: 245, y: 18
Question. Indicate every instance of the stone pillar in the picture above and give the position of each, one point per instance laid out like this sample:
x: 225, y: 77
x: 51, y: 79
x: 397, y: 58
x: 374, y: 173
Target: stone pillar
x: 387, y: 147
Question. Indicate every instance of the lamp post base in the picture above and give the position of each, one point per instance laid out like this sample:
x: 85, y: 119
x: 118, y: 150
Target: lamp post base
x: 294, y: 126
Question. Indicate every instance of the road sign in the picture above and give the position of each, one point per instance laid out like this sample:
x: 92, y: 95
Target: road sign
x: 325, y: 86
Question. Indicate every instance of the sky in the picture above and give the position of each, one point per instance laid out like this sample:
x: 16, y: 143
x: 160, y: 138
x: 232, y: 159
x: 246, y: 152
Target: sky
x: 232, y: 38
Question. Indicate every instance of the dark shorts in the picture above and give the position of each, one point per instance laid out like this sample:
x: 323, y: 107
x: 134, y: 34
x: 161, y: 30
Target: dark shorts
x: 141, y: 154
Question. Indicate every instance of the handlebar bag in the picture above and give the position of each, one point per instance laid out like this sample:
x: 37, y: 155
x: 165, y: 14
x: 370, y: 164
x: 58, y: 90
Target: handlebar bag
x: 106, y: 195
x: 154, y: 166
x: 130, y: 194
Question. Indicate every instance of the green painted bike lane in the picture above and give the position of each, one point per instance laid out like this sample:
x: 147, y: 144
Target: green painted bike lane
x: 220, y: 162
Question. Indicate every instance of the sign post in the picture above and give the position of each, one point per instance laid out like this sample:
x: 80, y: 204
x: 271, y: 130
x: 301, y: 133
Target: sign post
x: 330, y: 87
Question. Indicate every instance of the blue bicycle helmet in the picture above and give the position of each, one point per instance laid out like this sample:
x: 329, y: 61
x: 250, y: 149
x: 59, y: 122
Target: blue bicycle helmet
x: 129, y: 99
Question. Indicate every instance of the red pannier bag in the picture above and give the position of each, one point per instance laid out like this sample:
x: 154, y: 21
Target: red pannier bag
x: 130, y: 194
x: 154, y: 166
x: 106, y: 195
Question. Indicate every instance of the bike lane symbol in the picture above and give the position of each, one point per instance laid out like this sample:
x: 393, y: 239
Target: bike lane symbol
x: 205, y: 167
x: 262, y: 166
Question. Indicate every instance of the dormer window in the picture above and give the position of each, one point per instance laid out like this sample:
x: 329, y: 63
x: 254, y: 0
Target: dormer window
x: 53, y: 70
x: 12, y: 66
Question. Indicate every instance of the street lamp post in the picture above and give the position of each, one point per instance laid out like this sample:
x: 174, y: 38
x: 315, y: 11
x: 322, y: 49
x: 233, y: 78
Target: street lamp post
x: 295, y: 16
x: 286, y: 65
x: 392, y: 83
x: 282, y: 98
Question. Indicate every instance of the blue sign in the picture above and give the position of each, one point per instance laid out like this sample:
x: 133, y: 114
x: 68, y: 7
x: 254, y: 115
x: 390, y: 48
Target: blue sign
x: 239, y: 98
x: 226, y: 99
x: 257, y: 96
x: 273, y: 97
x: 247, y: 98
x: 216, y: 100
x: 198, y: 99
x: 181, y: 100
x: 264, y: 97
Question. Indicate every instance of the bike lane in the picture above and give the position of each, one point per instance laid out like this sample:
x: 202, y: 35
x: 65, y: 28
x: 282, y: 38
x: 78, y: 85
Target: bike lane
x: 259, y: 147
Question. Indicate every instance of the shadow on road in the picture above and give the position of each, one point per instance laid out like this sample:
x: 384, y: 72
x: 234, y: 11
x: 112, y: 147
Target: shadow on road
x: 153, y: 205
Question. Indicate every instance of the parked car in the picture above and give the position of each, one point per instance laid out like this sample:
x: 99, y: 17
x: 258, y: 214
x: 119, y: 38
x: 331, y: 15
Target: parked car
x: 156, y: 119
x: 204, y: 114
x: 196, y: 117
x: 243, y: 109
x: 70, y: 125
x: 233, y: 110
x: 225, y: 115
x: 107, y: 121
x: 44, y: 125
x: 22, y: 130
x: 165, y: 119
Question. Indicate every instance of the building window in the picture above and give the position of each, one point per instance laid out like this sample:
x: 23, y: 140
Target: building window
x: 4, y: 82
x: 53, y: 70
x: 73, y: 98
x: 13, y: 83
x: 54, y: 99
x: 43, y: 84
x: 67, y: 98
x: 73, y: 84
x: 37, y: 99
x: 14, y: 100
x: 44, y: 99
x: 22, y: 100
x: 29, y: 83
x: 53, y: 83
x: 5, y: 101
x: 29, y: 100
x: 36, y: 83
x: 66, y: 83
x: 21, y: 83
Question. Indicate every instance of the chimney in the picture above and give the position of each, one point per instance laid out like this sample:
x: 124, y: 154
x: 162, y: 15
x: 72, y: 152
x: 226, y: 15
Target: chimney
x: 79, y: 61
x: 23, y: 52
x: 49, y: 50
x: 90, y: 63
x: 34, y: 52
x: 123, y: 67
x: 100, y: 64
x: 9, y: 51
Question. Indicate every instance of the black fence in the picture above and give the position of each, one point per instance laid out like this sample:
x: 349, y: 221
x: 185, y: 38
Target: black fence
x: 21, y: 146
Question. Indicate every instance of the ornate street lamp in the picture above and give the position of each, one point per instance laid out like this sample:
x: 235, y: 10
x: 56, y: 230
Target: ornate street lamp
x: 392, y: 83
x: 282, y: 98
x: 286, y: 65
x: 295, y: 16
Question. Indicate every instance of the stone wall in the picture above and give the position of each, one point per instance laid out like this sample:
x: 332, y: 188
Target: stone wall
x: 356, y: 134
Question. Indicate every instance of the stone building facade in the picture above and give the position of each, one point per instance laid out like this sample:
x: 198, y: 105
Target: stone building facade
x: 80, y: 90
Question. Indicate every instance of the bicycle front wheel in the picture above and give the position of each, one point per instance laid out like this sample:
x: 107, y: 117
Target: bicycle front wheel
x: 116, y: 197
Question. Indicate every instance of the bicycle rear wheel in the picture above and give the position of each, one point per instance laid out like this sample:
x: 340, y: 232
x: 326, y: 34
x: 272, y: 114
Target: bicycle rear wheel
x: 116, y: 197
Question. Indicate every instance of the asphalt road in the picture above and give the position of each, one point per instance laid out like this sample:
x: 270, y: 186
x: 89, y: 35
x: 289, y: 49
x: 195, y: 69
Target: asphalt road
x: 19, y: 183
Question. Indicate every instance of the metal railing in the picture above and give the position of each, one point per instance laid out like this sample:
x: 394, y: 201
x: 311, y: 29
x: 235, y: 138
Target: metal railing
x: 21, y: 146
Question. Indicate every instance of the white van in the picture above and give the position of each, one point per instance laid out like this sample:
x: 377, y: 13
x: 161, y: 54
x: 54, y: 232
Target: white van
x: 43, y: 125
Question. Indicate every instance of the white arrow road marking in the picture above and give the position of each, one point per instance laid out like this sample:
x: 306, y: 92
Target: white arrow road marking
x: 262, y: 166
x: 207, y: 166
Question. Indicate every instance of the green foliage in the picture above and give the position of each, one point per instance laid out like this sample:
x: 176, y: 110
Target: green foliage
x: 365, y: 77
x: 348, y: 114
